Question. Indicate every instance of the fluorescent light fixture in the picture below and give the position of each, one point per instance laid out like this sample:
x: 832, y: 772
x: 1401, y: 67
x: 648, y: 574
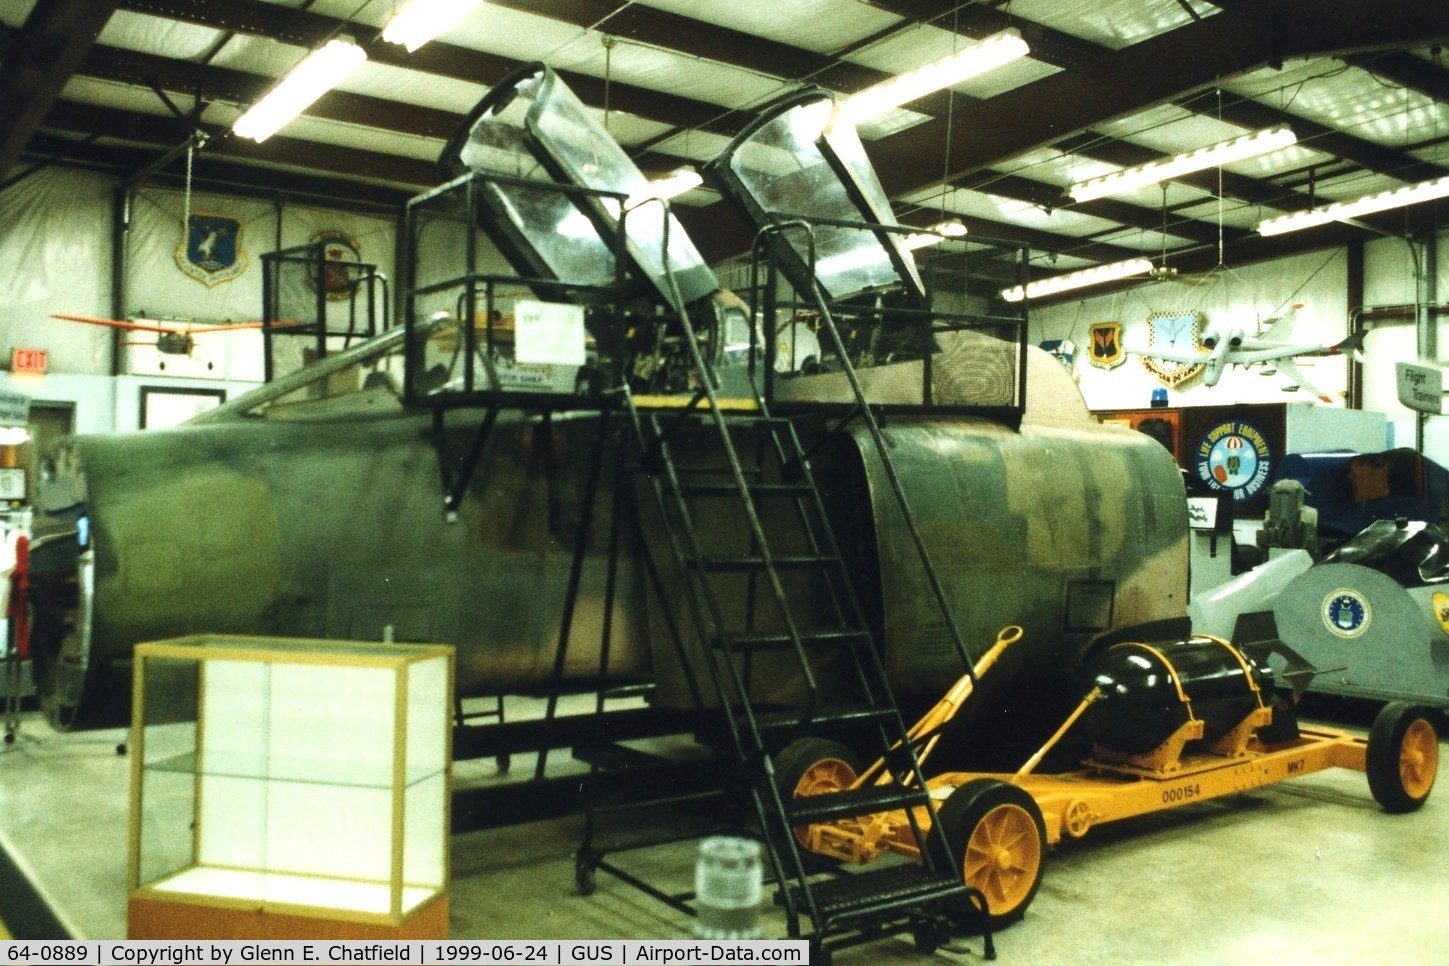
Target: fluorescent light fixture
x: 671, y: 185
x: 1367, y: 205
x: 320, y: 71
x: 1095, y: 275
x: 996, y: 50
x: 867, y: 254
x: 422, y: 20
x: 934, y: 235
x: 1212, y: 156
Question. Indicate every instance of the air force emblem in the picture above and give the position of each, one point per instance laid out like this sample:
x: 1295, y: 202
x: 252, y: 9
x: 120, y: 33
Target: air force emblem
x: 1104, y: 350
x: 212, y: 252
x: 343, y: 255
x: 1172, y: 347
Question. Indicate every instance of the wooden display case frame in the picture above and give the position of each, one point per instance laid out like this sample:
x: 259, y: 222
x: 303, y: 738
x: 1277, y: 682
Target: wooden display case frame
x: 163, y: 908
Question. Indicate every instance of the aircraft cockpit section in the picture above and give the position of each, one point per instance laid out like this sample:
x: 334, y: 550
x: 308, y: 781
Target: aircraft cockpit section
x: 532, y: 126
x: 800, y: 162
x: 543, y: 230
x: 829, y: 244
x: 585, y: 254
x: 440, y: 499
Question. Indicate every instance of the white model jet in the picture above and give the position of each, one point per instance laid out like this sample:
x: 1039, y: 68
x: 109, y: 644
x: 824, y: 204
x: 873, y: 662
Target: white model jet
x: 1234, y: 347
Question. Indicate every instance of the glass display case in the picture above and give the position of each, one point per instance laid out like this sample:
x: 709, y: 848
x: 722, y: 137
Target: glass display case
x: 288, y: 788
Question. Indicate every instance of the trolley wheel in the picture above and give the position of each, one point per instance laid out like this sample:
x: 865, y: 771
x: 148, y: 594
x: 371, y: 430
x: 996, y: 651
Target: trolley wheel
x: 584, y: 877
x: 998, y: 840
x: 1402, y: 758
x: 814, y: 766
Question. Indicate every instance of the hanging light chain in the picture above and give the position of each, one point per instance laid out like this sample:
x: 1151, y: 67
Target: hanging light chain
x: 186, y: 204
x: 608, y: 41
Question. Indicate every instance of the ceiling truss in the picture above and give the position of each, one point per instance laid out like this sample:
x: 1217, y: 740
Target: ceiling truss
x: 1093, y: 86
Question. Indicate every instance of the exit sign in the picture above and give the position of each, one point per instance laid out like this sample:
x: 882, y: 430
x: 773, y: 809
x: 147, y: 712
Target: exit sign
x: 28, y: 361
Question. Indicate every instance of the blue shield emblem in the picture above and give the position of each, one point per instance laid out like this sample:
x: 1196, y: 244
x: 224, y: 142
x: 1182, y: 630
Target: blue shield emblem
x: 212, y: 252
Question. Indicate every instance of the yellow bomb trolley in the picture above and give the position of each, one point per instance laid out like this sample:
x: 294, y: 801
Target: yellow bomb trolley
x: 1172, y: 724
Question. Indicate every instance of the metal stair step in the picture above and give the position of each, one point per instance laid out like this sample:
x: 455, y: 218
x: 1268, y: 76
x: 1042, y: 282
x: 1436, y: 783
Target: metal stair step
x: 823, y: 718
x: 851, y: 803
x: 877, y: 893
x: 754, y: 562
x: 756, y: 489
x: 779, y: 640
x: 690, y: 476
x: 750, y: 418
x: 743, y: 417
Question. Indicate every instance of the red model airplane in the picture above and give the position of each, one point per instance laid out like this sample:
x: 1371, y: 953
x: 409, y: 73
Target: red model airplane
x: 174, y: 340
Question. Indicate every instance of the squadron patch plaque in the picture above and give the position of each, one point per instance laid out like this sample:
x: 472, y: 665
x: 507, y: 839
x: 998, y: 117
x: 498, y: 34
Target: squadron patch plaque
x: 342, y: 252
x: 1235, y: 455
x: 212, y: 251
x: 1104, y: 345
x: 1175, y: 333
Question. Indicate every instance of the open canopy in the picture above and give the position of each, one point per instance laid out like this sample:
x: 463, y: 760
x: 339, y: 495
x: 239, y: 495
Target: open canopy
x: 802, y: 160
x: 532, y: 127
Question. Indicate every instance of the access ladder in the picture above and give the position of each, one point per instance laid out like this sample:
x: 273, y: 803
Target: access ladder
x: 762, y: 598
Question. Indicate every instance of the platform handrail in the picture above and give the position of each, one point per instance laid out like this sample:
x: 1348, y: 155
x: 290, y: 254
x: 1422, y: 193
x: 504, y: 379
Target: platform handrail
x: 877, y: 435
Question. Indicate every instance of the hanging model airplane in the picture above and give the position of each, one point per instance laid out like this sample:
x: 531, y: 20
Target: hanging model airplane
x: 170, y: 339
x: 1234, y: 347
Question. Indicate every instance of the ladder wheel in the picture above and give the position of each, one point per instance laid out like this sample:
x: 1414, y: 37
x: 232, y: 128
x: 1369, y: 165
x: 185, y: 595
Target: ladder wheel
x: 814, y: 766
x: 997, y: 840
x: 1402, y: 759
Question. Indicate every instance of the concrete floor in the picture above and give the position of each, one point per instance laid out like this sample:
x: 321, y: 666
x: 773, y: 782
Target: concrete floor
x: 1306, y: 871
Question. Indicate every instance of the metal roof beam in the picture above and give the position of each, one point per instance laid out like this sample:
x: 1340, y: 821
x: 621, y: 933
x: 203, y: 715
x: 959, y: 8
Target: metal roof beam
x: 1259, y: 248
x: 1068, y: 52
x: 1366, y: 154
x: 1040, y: 242
x: 217, y: 175
x: 54, y: 38
x: 698, y: 38
x: 1050, y: 197
x: 352, y: 163
x: 241, y: 87
x: 218, y: 83
x: 306, y: 29
x: 1406, y: 70
x: 1127, y: 155
x: 1169, y: 65
x: 980, y: 20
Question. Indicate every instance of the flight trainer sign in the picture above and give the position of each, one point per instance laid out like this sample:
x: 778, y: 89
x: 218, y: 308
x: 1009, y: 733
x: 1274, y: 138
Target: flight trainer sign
x: 1234, y: 455
x: 1421, y: 387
